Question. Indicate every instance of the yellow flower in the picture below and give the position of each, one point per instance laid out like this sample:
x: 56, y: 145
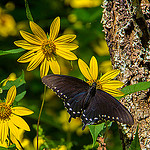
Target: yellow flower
x: 101, y: 49
x: 7, y: 24
x: 43, y: 50
x: 24, y: 142
x: 4, y: 144
x: 10, y: 119
x: 72, y: 126
x: 83, y: 3
x: 11, y: 77
x: 105, y: 66
x: 105, y: 82
x: 40, y: 142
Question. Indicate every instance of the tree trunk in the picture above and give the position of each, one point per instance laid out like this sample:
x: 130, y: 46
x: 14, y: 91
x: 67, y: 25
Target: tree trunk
x: 126, y: 25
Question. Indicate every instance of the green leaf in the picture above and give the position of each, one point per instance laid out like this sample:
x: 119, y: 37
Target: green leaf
x: 3, y: 148
x: 20, y: 85
x: 20, y: 96
x: 28, y: 12
x: 12, y: 147
x: 135, y: 145
x: 13, y: 51
x: 136, y: 87
x: 95, y: 130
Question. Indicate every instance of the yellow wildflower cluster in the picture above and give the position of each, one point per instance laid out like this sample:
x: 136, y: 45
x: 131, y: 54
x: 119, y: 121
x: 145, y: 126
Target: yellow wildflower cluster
x: 10, y: 120
x: 43, y: 50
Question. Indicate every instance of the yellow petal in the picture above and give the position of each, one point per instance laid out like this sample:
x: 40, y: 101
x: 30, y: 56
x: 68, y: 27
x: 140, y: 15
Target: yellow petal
x: 54, y: 28
x: 110, y: 75
x: 25, y: 45
x: 36, y: 60
x: 66, y: 46
x: 27, y: 57
x: 44, y: 68
x: 31, y: 38
x: 94, y: 68
x: 113, y: 84
x: 0, y: 131
x: 19, y: 122
x: 65, y: 38
x: 66, y: 54
x: 85, y: 70
x: 16, y: 141
x: 54, y: 66
x: 113, y: 92
x: 22, y: 111
x: 11, y: 94
x: 13, y: 129
x: 4, y: 131
x: 37, y: 30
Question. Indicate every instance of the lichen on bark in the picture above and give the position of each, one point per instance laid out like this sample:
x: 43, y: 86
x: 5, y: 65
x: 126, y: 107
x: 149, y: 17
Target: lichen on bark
x: 126, y: 25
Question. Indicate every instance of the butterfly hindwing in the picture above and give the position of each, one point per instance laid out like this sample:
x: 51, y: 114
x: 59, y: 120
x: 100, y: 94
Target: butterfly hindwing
x: 75, y: 105
x: 104, y: 106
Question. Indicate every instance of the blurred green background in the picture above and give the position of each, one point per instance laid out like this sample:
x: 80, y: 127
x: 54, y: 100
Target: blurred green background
x: 81, y: 17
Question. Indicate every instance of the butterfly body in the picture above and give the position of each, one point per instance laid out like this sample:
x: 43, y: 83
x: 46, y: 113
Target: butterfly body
x: 91, y: 92
x: 87, y: 101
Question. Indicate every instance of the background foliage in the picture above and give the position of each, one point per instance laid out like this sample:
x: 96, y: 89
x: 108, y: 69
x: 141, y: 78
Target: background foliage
x: 79, y: 17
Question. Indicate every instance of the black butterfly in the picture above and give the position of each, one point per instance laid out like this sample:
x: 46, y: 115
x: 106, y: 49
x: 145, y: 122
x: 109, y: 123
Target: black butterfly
x: 86, y: 101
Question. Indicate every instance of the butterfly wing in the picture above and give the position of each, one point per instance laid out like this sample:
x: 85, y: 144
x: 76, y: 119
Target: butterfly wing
x: 104, y: 106
x: 71, y: 89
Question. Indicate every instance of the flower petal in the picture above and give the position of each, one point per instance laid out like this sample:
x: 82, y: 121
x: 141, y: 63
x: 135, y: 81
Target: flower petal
x: 13, y: 129
x: 54, y: 66
x: 36, y: 60
x: 11, y: 94
x: 27, y: 57
x: 110, y: 75
x: 66, y: 54
x: 54, y: 28
x: 19, y: 122
x: 37, y: 30
x: 22, y: 111
x: 67, y: 46
x: 113, y: 84
x: 65, y: 38
x: 85, y: 70
x: 31, y: 38
x: 3, y: 131
x: 26, y: 45
x: 94, y: 68
x: 44, y: 68
x: 113, y: 92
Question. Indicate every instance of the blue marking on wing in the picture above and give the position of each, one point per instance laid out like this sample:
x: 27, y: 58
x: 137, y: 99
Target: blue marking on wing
x: 78, y: 96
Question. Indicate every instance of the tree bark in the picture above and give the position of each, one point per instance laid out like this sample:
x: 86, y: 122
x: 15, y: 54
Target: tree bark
x: 126, y: 25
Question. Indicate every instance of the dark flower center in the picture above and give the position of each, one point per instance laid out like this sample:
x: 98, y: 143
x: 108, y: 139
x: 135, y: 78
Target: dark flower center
x: 48, y: 48
x: 5, y: 111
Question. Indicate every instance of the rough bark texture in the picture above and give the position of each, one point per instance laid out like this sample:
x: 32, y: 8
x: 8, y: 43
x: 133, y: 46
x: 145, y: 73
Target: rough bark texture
x: 126, y: 26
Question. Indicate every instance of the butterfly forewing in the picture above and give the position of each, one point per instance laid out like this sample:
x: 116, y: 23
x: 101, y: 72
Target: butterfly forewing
x: 72, y: 90
x: 66, y: 87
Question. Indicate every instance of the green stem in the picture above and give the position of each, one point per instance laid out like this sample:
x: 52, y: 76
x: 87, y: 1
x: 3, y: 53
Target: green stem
x: 40, y: 114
